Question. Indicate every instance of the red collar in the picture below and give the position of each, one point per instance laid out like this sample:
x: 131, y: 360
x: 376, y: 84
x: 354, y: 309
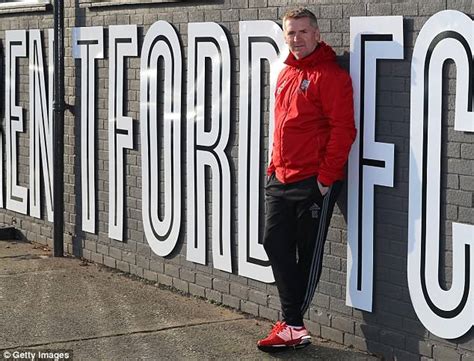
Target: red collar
x: 322, y: 53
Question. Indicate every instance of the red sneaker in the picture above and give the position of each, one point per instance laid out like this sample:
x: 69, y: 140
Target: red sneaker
x: 283, y: 336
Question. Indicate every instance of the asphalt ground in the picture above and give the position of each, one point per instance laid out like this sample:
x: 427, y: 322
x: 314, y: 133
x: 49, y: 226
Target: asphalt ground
x: 91, y: 312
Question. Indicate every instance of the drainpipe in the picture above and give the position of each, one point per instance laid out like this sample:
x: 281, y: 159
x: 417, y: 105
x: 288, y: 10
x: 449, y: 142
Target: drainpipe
x: 58, y: 130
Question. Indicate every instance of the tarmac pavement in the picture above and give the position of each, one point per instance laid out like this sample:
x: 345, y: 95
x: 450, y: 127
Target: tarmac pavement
x: 64, y: 304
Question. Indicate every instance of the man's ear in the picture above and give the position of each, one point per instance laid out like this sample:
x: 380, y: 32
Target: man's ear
x: 317, y: 34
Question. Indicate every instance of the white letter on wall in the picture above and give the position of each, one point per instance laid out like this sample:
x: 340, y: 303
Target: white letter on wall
x: 88, y: 45
x: 160, y: 132
x: 446, y: 313
x: 17, y: 196
x: 205, y: 148
x: 41, y: 128
x: 371, y: 163
x: 259, y: 40
x: 122, y: 43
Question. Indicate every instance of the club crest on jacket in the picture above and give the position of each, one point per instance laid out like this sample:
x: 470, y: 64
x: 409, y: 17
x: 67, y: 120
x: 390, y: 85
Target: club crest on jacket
x: 304, y: 84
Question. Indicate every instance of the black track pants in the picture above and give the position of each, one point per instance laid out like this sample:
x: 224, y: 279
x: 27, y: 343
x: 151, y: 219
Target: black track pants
x: 296, y: 225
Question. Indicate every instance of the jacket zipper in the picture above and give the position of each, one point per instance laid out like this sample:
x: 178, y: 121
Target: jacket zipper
x: 287, y: 105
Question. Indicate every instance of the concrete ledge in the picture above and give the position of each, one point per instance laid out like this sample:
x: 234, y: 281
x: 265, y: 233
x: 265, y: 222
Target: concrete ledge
x: 103, y: 4
x: 24, y: 8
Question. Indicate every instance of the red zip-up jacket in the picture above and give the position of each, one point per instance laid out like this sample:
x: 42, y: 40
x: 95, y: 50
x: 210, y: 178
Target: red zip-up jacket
x: 314, y: 119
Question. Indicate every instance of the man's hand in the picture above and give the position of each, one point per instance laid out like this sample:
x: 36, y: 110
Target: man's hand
x: 323, y: 189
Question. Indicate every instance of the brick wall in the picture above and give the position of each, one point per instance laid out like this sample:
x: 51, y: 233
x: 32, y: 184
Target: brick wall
x: 393, y: 329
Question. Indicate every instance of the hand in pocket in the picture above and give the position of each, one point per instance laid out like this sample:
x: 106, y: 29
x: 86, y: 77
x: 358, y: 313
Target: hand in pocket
x: 322, y: 189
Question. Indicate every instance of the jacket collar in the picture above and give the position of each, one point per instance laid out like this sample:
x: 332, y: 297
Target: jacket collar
x: 322, y: 53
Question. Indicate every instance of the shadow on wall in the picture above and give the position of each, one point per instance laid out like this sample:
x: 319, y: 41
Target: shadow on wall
x: 2, y: 90
x: 12, y: 233
x: 79, y: 234
x: 2, y: 114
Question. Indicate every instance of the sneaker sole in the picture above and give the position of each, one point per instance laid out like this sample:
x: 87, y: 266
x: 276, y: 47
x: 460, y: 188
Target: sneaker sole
x: 280, y: 348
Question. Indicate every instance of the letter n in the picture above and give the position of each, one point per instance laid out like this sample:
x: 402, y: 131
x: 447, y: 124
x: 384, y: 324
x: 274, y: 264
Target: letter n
x: 41, y: 126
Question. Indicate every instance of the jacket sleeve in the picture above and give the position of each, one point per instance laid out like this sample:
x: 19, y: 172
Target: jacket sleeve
x: 338, y: 106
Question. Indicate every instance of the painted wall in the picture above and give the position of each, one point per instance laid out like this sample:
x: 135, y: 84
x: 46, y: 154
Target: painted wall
x: 188, y: 213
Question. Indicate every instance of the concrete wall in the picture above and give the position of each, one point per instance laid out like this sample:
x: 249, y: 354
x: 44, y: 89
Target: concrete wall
x: 392, y: 329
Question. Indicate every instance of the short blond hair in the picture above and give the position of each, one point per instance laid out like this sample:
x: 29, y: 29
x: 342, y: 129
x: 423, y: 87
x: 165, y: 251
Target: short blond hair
x: 301, y: 13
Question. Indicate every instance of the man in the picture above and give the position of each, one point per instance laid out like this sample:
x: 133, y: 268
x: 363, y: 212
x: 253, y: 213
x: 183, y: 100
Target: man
x: 314, y: 130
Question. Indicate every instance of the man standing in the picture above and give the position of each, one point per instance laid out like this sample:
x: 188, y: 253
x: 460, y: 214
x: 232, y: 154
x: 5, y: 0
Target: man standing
x: 314, y: 130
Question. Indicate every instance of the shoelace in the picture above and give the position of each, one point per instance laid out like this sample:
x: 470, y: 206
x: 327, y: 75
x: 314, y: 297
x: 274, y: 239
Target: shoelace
x: 278, y: 327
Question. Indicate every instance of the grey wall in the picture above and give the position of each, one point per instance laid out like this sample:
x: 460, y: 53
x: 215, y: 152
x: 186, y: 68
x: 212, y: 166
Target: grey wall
x: 392, y: 330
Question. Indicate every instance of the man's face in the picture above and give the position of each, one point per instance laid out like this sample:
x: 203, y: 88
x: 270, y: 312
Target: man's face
x: 300, y: 36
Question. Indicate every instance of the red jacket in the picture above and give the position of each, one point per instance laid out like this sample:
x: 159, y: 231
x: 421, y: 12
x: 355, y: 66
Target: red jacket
x: 314, y: 119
